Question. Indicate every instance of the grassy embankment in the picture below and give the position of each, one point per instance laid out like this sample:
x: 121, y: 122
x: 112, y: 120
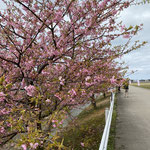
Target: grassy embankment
x: 86, y: 132
x: 142, y: 85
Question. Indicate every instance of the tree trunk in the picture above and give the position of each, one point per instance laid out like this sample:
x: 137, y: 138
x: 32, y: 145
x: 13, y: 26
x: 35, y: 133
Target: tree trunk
x: 39, y: 126
x: 104, y: 94
x: 93, y: 101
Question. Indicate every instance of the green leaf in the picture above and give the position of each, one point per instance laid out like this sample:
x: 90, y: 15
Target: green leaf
x: 130, y: 27
x: 8, y: 86
x: 2, y: 79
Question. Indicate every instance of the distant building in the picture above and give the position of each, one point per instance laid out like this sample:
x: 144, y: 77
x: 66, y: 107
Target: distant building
x: 141, y: 81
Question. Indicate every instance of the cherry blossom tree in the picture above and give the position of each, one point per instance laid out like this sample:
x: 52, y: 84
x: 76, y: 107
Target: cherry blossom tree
x: 54, y: 55
x: 146, y: 1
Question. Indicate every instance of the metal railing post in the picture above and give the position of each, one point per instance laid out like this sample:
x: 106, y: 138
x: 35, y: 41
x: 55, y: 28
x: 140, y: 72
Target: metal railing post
x: 108, y: 118
x: 106, y: 114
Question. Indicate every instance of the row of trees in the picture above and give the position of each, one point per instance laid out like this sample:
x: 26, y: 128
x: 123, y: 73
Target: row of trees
x: 54, y: 55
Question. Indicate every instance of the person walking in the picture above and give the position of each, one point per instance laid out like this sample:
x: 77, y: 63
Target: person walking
x: 126, y: 87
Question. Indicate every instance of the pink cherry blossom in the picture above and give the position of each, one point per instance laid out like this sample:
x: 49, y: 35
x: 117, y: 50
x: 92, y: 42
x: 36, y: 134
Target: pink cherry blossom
x: 24, y: 146
x: 2, y: 96
x: 26, y: 1
x: 114, y: 12
x: 126, y: 36
x: 82, y: 144
x: 61, y: 80
x: 23, y: 83
x: 48, y: 101
x: 72, y: 92
x: 2, y: 129
x: 122, y: 28
x: 102, y: 5
x: 113, y: 80
x: 87, y: 78
x: 61, y: 122
x: 54, y: 125
x: 4, y: 111
x: 58, y: 96
x: 30, y: 90
x: 54, y: 121
x: 29, y: 64
x: 34, y: 146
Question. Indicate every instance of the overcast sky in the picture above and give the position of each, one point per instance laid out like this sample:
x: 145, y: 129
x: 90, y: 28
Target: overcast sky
x: 138, y: 60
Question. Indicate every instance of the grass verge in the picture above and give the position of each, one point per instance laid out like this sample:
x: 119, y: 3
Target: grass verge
x: 111, y: 142
x: 86, y: 132
x: 142, y: 85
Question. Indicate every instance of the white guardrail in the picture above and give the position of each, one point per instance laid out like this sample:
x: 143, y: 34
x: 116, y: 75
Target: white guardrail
x: 108, y: 118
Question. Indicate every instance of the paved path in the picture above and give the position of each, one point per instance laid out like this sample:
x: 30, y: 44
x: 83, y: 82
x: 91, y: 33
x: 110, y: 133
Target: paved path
x: 133, y: 121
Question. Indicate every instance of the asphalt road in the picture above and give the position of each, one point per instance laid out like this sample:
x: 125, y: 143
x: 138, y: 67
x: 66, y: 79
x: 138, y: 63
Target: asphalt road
x: 133, y: 120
